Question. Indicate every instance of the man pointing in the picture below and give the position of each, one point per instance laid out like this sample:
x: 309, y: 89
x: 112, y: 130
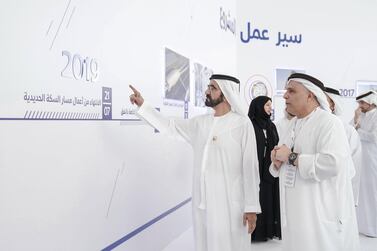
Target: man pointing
x: 225, y: 195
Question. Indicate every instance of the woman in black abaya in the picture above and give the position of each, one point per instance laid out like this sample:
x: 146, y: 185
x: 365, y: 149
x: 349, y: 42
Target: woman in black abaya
x: 268, y: 222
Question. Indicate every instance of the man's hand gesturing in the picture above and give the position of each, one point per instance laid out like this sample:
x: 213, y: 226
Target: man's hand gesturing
x: 136, y: 97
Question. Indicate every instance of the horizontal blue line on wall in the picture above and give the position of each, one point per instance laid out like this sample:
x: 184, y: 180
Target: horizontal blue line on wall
x: 145, y: 226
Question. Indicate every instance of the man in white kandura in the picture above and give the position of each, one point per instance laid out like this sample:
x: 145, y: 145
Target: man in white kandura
x: 333, y: 97
x: 285, y: 124
x: 365, y: 122
x: 314, y: 166
x: 225, y: 196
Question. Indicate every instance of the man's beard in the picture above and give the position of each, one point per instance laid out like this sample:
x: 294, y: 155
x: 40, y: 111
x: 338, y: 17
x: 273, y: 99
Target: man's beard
x: 364, y: 110
x: 213, y: 102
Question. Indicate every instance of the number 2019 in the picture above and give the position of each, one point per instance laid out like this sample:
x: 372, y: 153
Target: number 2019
x: 80, y: 68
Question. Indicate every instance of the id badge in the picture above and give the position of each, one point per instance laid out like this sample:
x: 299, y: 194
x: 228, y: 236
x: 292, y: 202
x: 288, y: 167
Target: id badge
x: 290, y: 176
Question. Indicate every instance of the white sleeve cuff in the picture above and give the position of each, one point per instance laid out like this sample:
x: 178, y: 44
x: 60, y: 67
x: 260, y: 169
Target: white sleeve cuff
x: 252, y: 209
x: 273, y: 171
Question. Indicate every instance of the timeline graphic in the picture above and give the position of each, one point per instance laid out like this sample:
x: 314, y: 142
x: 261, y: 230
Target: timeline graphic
x: 63, y: 80
x: 49, y: 106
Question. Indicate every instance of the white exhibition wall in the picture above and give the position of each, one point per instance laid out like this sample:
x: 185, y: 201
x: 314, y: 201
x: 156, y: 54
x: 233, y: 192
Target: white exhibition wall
x: 334, y: 41
x: 78, y: 170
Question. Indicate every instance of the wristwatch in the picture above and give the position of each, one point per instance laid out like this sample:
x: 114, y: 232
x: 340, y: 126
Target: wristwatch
x: 292, y: 158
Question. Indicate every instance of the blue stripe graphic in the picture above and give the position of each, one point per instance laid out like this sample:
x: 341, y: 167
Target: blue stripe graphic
x: 143, y: 227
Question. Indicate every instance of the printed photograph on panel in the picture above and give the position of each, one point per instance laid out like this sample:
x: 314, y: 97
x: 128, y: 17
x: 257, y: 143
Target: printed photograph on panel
x: 281, y: 79
x: 177, y: 76
x: 202, y: 75
x: 365, y: 86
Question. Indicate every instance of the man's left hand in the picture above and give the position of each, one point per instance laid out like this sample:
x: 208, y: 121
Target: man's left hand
x: 251, y: 220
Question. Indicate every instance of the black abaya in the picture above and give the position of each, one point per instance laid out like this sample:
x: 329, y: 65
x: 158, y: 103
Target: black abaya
x: 268, y: 222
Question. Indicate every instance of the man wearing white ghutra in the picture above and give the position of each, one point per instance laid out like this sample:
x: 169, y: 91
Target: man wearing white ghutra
x: 365, y: 122
x: 225, y: 197
x: 312, y: 163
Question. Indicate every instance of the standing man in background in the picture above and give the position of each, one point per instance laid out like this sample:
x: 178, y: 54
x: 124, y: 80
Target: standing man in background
x: 365, y: 122
x: 285, y: 124
x: 226, y: 178
x: 335, y: 104
x: 312, y: 163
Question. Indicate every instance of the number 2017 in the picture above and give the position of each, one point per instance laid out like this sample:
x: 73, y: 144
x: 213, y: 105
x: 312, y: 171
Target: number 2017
x: 347, y: 92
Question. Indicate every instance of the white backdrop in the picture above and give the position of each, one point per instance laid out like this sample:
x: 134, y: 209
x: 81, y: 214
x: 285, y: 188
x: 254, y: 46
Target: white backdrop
x: 74, y: 176
x: 77, y: 170
x: 337, y: 46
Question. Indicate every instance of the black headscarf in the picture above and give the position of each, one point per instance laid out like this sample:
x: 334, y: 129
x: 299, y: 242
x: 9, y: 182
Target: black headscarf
x: 257, y: 112
x: 261, y: 121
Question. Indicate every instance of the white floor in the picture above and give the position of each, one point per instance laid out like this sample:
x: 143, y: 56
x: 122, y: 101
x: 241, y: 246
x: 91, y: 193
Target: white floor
x: 185, y: 242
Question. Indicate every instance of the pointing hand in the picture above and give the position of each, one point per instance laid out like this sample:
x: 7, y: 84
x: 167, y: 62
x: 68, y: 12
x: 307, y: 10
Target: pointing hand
x: 136, y: 97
